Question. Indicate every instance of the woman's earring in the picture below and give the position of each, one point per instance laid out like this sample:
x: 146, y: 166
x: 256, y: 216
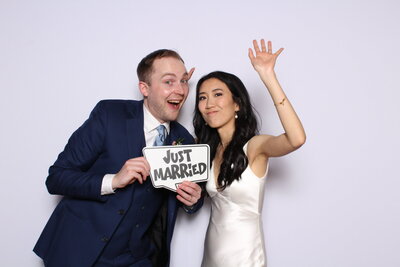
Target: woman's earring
x: 236, y: 116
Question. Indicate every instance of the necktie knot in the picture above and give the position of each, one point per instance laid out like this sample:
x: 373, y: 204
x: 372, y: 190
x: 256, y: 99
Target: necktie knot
x: 160, y: 138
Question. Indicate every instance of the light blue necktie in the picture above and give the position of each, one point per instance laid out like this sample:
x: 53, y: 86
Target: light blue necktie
x: 160, y: 138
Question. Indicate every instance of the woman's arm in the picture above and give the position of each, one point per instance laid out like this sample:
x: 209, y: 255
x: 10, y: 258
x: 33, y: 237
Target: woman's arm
x: 294, y: 136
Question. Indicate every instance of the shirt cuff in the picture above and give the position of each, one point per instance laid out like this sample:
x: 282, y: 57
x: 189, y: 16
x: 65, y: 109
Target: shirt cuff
x: 106, y: 185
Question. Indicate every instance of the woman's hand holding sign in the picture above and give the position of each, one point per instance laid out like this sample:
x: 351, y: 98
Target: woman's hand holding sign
x: 188, y: 193
x: 133, y: 169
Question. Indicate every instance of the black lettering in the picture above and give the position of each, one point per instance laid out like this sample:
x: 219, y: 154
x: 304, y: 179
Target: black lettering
x: 175, y: 171
x: 183, y: 168
x: 158, y: 174
x: 167, y: 174
x: 190, y: 169
x: 168, y: 157
x: 174, y: 157
x: 202, y: 167
x: 194, y: 168
x: 180, y: 156
x: 187, y: 152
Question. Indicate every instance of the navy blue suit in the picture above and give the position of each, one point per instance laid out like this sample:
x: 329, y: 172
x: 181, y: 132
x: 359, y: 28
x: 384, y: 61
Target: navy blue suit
x: 84, y: 221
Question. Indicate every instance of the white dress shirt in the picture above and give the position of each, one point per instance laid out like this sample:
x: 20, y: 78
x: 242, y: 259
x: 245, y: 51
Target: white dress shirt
x: 150, y: 124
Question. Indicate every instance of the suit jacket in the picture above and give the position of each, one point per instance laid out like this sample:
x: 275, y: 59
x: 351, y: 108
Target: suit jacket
x: 84, y: 220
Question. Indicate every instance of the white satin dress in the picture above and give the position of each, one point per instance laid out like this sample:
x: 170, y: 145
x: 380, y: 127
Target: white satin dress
x: 234, y: 236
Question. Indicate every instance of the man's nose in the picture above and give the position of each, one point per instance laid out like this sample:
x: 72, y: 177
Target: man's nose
x: 181, y: 88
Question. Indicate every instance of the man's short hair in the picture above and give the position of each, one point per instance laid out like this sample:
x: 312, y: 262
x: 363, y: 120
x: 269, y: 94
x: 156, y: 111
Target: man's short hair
x: 145, y: 67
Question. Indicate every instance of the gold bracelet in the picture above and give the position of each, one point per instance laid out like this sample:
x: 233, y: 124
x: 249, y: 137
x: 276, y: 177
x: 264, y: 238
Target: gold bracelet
x: 281, y: 103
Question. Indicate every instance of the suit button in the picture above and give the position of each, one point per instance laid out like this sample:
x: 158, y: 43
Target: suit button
x: 104, y: 239
x: 142, y: 208
x: 121, y: 212
x: 137, y: 225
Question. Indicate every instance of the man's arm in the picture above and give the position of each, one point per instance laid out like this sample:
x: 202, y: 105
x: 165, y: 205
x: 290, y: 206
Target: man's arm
x: 70, y: 175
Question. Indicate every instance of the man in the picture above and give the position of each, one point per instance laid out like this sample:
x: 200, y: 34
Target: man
x: 111, y: 215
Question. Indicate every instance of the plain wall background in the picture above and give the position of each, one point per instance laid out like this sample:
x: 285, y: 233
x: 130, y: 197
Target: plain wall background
x: 334, y: 202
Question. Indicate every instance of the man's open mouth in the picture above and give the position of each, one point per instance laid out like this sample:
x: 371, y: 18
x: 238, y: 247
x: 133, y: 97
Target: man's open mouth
x: 175, y: 103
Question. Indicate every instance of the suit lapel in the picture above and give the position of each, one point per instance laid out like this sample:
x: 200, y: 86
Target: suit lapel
x: 134, y: 128
x: 172, y: 134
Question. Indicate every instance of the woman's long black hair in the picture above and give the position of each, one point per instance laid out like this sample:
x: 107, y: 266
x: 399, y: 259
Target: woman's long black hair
x: 234, y: 160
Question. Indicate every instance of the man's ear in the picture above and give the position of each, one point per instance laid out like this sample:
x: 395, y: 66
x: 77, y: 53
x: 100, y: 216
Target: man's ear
x: 144, y: 88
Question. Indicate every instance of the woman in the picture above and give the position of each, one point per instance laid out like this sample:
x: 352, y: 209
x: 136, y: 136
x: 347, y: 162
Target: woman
x: 224, y: 119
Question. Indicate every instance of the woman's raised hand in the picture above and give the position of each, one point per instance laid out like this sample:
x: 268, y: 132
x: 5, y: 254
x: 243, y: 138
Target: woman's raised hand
x: 263, y: 60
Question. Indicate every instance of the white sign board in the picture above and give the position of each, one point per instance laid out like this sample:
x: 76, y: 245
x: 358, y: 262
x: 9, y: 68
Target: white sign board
x: 171, y: 165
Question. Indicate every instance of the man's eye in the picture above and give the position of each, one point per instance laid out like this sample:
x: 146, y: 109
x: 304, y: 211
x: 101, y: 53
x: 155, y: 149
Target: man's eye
x: 184, y: 81
x: 168, y: 82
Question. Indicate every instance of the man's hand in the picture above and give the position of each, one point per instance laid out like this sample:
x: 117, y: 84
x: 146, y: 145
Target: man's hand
x: 133, y: 169
x: 190, y: 73
x: 188, y: 193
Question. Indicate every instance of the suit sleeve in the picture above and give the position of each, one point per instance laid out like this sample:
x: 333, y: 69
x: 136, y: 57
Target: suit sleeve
x: 70, y: 175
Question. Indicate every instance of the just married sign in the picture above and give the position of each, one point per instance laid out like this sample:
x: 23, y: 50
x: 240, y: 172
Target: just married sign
x: 171, y: 165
